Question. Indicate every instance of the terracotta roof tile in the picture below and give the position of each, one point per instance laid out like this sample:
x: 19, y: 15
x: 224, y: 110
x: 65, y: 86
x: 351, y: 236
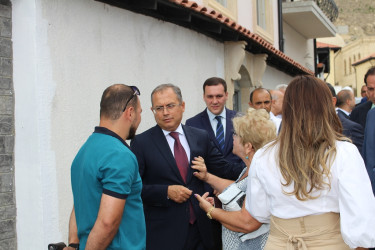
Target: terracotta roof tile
x: 326, y: 45
x: 214, y: 14
x: 367, y: 58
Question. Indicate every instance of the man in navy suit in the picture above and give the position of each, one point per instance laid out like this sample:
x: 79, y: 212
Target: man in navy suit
x: 359, y: 114
x: 165, y: 153
x: 369, y: 147
x: 215, y: 96
x: 353, y: 130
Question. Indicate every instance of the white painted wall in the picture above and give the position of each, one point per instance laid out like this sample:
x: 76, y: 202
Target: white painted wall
x: 273, y: 77
x: 298, y: 47
x: 66, y: 52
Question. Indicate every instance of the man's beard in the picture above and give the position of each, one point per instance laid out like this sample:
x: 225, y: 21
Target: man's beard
x: 132, y: 131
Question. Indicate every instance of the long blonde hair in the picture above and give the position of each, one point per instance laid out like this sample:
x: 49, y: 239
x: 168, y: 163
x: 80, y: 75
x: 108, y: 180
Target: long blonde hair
x: 307, y: 140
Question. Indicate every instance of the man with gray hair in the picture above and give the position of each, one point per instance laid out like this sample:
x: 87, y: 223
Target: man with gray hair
x: 281, y: 87
x: 166, y: 156
x: 345, y: 104
x: 277, y: 102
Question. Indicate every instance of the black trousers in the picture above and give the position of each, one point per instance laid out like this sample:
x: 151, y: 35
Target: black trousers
x: 193, y: 241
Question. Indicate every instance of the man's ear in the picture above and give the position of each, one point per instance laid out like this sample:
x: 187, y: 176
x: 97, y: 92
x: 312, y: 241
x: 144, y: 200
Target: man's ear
x: 129, y: 112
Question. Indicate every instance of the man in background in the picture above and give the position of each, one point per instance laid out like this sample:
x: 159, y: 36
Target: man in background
x: 277, y: 103
x: 363, y: 94
x: 281, y: 87
x: 345, y: 104
x: 359, y: 113
x: 216, y: 119
x: 260, y: 98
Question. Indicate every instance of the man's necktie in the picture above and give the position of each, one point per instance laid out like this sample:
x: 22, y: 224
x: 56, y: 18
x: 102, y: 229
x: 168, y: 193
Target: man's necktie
x: 180, y: 156
x: 183, y: 165
x: 220, y: 133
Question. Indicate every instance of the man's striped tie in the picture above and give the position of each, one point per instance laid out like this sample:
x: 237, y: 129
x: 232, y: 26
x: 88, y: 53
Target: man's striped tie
x: 220, y: 133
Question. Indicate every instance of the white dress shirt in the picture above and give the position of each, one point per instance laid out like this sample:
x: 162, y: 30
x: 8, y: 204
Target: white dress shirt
x: 213, y: 121
x: 350, y: 194
x: 345, y: 112
x: 181, y: 136
x: 276, y: 121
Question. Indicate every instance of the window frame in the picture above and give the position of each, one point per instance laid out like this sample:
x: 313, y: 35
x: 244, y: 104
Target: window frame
x: 229, y: 11
x: 268, y: 33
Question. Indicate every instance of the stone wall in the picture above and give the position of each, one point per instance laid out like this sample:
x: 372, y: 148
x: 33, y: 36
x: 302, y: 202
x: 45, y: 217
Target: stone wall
x: 7, y: 192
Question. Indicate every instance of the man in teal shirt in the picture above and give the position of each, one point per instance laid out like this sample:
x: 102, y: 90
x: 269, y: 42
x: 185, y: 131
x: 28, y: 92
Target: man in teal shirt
x: 108, y: 210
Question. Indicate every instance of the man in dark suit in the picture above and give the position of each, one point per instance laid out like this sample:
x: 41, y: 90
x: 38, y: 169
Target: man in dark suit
x: 353, y: 130
x: 369, y: 147
x: 359, y: 114
x: 215, y: 96
x: 165, y: 153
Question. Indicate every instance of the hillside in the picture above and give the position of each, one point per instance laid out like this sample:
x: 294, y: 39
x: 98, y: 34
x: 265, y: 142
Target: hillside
x: 358, y: 16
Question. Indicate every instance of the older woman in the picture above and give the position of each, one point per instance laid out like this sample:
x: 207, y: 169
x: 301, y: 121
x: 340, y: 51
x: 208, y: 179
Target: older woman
x: 311, y: 183
x: 252, y: 131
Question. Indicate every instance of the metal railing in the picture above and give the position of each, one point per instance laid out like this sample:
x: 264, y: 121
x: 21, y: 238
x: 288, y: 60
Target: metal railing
x: 328, y: 7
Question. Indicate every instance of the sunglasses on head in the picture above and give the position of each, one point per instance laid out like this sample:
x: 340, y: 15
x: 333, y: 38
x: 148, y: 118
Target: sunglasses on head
x: 136, y: 92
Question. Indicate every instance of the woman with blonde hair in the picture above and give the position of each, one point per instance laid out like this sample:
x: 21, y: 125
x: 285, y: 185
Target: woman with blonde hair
x: 311, y: 184
x: 251, y: 132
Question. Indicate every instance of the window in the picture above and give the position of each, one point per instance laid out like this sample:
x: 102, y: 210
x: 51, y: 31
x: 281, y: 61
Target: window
x: 263, y: 19
x: 345, y: 73
x: 359, y: 56
x: 261, y: 14
x: 350, y: 65
x: 226, y: 7
x: 222, y: 2
x: 354, y: 59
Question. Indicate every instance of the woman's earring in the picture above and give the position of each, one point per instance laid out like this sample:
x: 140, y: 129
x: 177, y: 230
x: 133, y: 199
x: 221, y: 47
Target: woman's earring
x: 247, y: 157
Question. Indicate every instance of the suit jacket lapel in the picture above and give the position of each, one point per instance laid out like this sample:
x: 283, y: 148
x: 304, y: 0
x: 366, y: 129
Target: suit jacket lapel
x: 207, y: 124
x: 159, y: 139
x: 346, y: 116
x: 228, y: 130
x: 192, y: 141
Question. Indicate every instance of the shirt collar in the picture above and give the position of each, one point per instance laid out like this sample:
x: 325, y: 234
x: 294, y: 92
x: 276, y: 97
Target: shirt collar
x: 344, y: 111
x: 178, y: 130
x: 105, y: 131
x: 212, y: 116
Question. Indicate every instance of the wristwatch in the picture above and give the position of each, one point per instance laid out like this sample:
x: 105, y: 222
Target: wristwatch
x: 209, y: 213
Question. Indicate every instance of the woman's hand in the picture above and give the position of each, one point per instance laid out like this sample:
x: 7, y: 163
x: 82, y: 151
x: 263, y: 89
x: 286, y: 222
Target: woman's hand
x: 203, y: 203
x: 198, y: 164
x: 211, y: 200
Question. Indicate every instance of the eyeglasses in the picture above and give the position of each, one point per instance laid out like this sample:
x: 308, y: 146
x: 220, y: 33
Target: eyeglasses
x: 169, y: 107
x: 136, y: 92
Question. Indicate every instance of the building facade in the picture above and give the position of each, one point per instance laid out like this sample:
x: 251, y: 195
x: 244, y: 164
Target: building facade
x: 66, y: 52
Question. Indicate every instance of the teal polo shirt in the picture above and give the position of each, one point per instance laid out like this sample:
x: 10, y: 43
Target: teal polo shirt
x: 105, y: 165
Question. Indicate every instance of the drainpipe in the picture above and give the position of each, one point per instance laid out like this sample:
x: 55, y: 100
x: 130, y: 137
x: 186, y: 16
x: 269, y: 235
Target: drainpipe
x: 315, y: 59
x: 281, y: 35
